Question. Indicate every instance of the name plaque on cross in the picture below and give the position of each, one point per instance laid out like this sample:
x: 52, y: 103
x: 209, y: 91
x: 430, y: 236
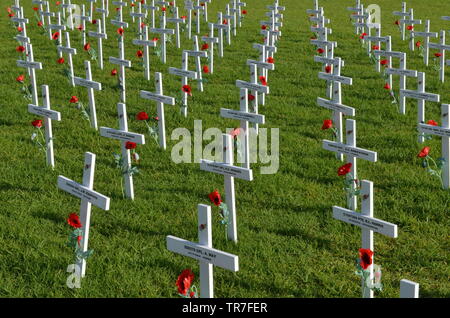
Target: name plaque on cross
x: 158, y: 98
x: 35, y: 65
x: 226, y: 169
x: 86, y: 83
x: 177, y: 71
x: 253, y: 87
x: 417, y: 95
x: 83, y: 192
x: 240, y: 115
x: 117, y: 61
x: 122, y: 135
x: 41, y: 111
x: 347, y: 110
x: 348, y: 150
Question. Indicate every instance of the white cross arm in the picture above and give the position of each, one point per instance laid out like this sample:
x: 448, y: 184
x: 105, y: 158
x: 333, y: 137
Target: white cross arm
x: 117, y: 61
x: 313, y: 11
x: 336, y: 78
x: 44, y: 112
x: 253, y: 87
x: 353, y: 9
x: 377, y: 38
x: 402, y: 72
x: 137, y: 15
x: 203, y: 253
x: 240, y: 115
x: 388, y: 53
x: 324, y: 43
x: 162, y: 31
x: 57, y: 27
x: 35, y: 65
x: 418, y: 95
x: 226, y: 169
x: 411, y: 21
x: 97, y: 35
x: 67, y: 50
x: 86, y: 83
x: 119, y: 23
x: 210, y: 39
x: 366, y: 222
x: 434, y: 130
x: 22, y: 38
x: 277, y: 24
x: 425, y: 34
x: 271, y: 32
x: 122, y: 135
x: 196, y: 53
x: 401, y: 14
x: 446, y: 18
x: 279, y: 8
x: 83, y: 193
x: 409, y: 289
x: 47, y: 13
x: 19, y: 20
x: 144, y: 42
x: 175, y: 20
x: 183, y: 73
x: 119, y: 3
x: 347, y: 110
x: 268, y: 48
x: 269, y: 66
x: 349, y: 150
x: 158, y: 98
x: 327, y: 60
x: 319, y: 29
x: 439, y: 46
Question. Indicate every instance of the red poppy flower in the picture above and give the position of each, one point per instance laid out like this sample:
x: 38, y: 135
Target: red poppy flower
x: 133, y: 5
x: 205, y: 46
x: 397, y: 22
x: 39, y: 24
x: 19, y: 29
x: 437, y: 54
x: 365, y: 256
x: 113, y: 72
x: 235, y: 132
x: 35, y: 8
x: 117, y: 9
x: 205, y: 69
x: 320, y: 50
x: 363, y: 35
x: 313, y: 38
x: 328, y: 68
x: 142, y: 116
x: 418, y: 44
x: 270, y: 60
x: 171, y: 3
x: 20, y: 49
x: 74, y: 220
x: 183, y: 17
x: 155, y: 39
x: 87, y: 47
x: 375, y: 47
x: 142, y: 1
x: 163, y: 9
x: 143, y: 25
x: 20, y: 78
x: 244, y: 11
x: 130, y: 145
x: 327, y: 124
x: 432, y: 123
x: 94, y: 21
x: 58, y: 3
x: 263, y: 27
x: 139, y: 53
x: 156, y: 118
x: 410, y: 27
x: 424, y: 152
x: 55, y: 36
x: 120, y: 31
x: 74, y: 100
x: 8, y: 9
x: 224, y: 21
x: 11, y: 15
x: 37, y: 123
x: 251, y: 97
x: 79, y: 237
x: 192, y: 294
x: 187, y: 89
x: 387, y: 86
x: 184, y: 281
x: 214, y: 197
x: 384, y: 62
x: 263, y: 81
x: 60, y: 60
x: 344, y: 169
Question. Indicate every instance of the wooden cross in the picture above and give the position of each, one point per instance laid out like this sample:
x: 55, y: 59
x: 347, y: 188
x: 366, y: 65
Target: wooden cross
x: 230, y: 172
x: 421, y: 97
x: 220, y: 26
x: 22, y: 38
x: 146, y: 43
x: 177, y: 20
x: 319, y: 18
x: 83, y: 17
x: 140, y: 16
x: 378, y: 39
x: 163, y: 31
x: 197, y: 53
x: 335, y: 104
x: 185, y: 74
x: 120, y: 22
x: 199, y: 8
x: 263, y: 67
x: 244, y: 116
x: 413, y: 22
x: 100, y: 36
x: 69, y: 6
x: 229, y: 17
x: 124, y: 136
x: 40, y: 3
x: 409, y: 289
x: 352, y: 153
x: 91, y: 11
x: 403, y: 72
x: 368, y: 224
x: 122, y: 62
x: 16, y: 6
x: 442, y: 47
x: 402, y: 14
x: 160, y: 100
x: 274, y: 33
x: 152, y: 8
x: 90, y: 85
x: 104, y: 11
x: 70, y: 51
x: 31, y: 65
x: 389, y: 54
x: 361, y: 20
x: 443, y: 132
x: 58, y: 27
x: 426, y: 35
x: 48, y: 115
x: 88, y: 198
x: 47, y: 14
x: 204, y: 252
x: 234, y: 11
x: 211, y: 40
x: 133, y: 4
x: 205, y: 8
x: 237, y: 9
x: 189, y: 7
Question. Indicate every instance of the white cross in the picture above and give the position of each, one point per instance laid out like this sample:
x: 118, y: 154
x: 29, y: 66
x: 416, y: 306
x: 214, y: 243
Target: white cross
x: 120, y: 22
x: 403, y: 72
x: 442, y: 47
x: 238, y: 4
x: 100, y: 36
x: 244, y: 116
x: 335, y: 104
x: 263, y: 66
x: 185, y: 74
x: 413, y: 22
x: 211, y: 40
x: 48, y: 14
x: 146, y: 43
x: 104, y: 11
x: 153, y: 8
x: 389, y: 54
x: 122, y: 63
x: 40, y: 3
x: 163, y: 31
x: 403, y: 14
x: 22, y: 38
x: 189, y: 7
x: 229, y: 17
x: 444, y: 132
x: 70, y: 51
x: 316, y: 11
x: 31, y: 65
x: 205, y: 10
x: 368, y: 224
x: 140, y: 16
x: 58, y: 27
x: 204, y: 252
x: 426, y: 35
x: 68, y: 6
x: 356, y: 9
x: 197, y: 53
x: 91, y: 11
x: 177, y: 20
x: 88, y: 198
x: 124, y: 136
x: 83, y: 17
x: 199, y: 8
x: 49, y: 115
x: 16, y: 6
x: 409, y: 289
x: 220, y: 26
x: 352, y: 153
x: 421, y: 97
x: 378, y: 39
x: 90, y: 85
x: 160, y: 99
x: 229, y: 171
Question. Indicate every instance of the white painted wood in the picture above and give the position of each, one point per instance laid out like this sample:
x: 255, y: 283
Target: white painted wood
x: 177, y: 20
x: 31, y: 65
x: 426, y: 36
x: 409, y: 289
x: 197, y: 54
x: 100, y: 35
x: 254, y: 92
x: 205, y: 9
x: 442, y: 47
x: 220, y: 28
x: 69, y: 51
x: 185, y: 74
x: 211, y: 40
x: 163, y: 31
x: 205, y: 238
x: 402, y: 13
x: 146, y: 44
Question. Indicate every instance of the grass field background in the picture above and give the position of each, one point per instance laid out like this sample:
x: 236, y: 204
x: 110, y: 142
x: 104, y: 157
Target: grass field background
x: 289, y: 244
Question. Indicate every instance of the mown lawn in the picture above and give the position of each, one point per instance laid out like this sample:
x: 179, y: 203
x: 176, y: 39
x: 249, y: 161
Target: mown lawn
x: 289, y: 244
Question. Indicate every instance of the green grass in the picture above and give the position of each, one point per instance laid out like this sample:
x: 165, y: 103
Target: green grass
x: 289, y: 244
